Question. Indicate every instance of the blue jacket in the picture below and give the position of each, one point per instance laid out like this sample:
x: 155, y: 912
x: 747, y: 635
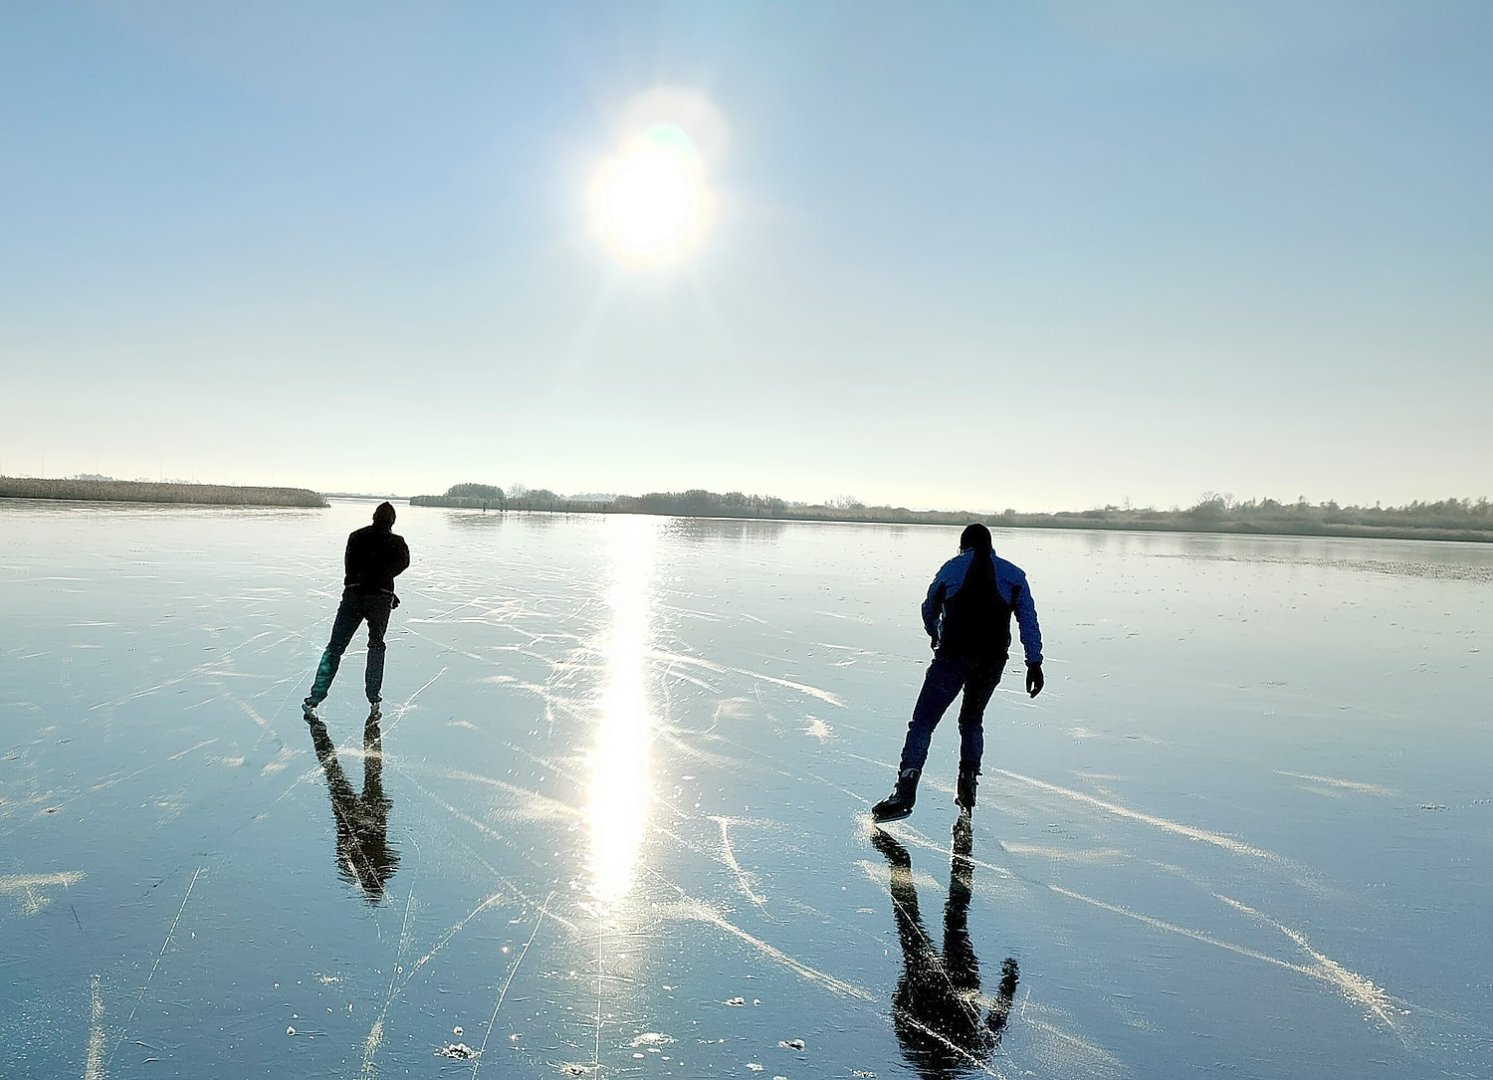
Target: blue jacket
x: 1015, y: 597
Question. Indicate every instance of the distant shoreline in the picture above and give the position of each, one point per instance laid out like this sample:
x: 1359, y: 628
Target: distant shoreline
x: 134, y: 491
x: 1070, y: 520
x: 670, y: 505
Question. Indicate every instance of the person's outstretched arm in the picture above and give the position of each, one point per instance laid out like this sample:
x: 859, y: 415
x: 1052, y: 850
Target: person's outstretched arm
x: 1031, y: 634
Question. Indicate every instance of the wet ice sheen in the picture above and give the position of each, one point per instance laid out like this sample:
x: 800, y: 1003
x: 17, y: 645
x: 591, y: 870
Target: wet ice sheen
x: 613, y: 821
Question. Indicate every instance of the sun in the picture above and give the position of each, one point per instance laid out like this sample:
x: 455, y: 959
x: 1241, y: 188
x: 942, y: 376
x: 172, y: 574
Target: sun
x: 650, y: 200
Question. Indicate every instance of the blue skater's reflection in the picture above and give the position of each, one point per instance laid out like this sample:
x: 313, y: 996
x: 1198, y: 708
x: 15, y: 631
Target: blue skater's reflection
x: 364, y: 857
x: 947, y: 1028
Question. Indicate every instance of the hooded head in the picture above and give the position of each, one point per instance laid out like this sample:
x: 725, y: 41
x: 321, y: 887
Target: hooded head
x: 975, y: 536
x: 383, y: 515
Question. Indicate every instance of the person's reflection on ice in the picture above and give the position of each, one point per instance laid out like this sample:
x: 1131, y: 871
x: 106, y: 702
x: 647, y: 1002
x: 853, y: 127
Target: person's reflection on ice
x: 364, y: 857
x: 937, y: 1009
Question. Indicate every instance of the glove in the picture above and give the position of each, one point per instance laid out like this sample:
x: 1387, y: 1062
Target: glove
x: 933, y: 643
x: 395, y: 604
x: 1034, y: 681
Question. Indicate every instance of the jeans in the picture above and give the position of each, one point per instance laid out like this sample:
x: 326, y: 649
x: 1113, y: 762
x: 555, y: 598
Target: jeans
x: 354, y: 609
x: 947, y: 675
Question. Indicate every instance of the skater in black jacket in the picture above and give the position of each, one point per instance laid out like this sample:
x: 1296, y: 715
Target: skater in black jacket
x: 375, y: 556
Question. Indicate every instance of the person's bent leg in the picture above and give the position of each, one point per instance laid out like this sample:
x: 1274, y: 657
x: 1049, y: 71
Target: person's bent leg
x: 978, y: 688
x: 940, y: 687
x: 376, y: 609
x: 349, y: 615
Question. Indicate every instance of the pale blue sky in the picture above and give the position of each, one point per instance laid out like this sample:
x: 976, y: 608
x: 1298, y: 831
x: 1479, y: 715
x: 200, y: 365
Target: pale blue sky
x: 977, y: 255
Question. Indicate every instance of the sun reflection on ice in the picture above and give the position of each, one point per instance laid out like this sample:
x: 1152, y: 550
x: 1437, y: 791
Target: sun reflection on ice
x: 619, y: 790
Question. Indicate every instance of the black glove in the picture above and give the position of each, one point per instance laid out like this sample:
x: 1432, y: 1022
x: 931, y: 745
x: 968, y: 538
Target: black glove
x: 1034, y: 682
x: 395, y: 604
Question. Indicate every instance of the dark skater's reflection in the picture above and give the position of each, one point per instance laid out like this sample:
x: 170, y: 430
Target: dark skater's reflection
x: 364, y: 857
x: 937, y: 1008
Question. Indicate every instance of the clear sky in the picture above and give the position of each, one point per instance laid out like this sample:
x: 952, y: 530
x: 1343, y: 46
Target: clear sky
x: 967, y: 255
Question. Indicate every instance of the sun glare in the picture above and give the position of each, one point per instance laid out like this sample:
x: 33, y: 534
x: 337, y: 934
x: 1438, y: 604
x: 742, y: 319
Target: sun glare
x: 650, y: 199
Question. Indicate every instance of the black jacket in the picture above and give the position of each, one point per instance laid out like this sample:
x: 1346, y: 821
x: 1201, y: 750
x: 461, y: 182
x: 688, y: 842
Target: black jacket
x: 375, y: 557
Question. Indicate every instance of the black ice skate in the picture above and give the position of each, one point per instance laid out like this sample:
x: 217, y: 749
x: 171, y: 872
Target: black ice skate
x: 898, y: 804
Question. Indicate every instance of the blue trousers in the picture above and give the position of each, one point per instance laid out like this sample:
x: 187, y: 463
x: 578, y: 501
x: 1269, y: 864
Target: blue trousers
x: 946, y: 677
x: 354, y: 609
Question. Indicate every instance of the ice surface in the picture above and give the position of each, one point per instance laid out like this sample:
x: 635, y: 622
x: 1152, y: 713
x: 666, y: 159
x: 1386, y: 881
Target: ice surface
x: 614, y: 820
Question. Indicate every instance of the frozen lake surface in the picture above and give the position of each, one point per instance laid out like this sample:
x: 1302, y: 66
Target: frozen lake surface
x: 615, y: 820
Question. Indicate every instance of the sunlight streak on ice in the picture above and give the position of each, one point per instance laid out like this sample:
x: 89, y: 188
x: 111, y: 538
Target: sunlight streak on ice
x: 619, y: 760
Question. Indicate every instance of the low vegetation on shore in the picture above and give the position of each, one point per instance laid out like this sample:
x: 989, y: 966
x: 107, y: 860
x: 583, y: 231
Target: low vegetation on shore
x: 91, y: 490
x: 1449, y: 519
x: 470, y: 497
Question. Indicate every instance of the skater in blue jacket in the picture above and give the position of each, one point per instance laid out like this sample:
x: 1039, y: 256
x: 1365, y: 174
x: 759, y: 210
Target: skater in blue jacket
x: 968, y: 618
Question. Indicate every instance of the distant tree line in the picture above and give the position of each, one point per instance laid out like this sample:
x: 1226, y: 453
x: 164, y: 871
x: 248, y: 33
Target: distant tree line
x: 694, y: 503
x: 466, y: 497
x: 1452, y: 519
x: 102, y: 490
x: 1449, y: 519
x: 700, y: 503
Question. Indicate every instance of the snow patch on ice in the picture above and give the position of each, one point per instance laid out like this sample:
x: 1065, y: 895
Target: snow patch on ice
x: 1228, y: 843
x: 1357, y: 988
x: 93, y: 1065
x: 1073, y: 855
x: 699, y: 912
x: 26, y: 886
x: 1346, y: 785
x: 819, y: 729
